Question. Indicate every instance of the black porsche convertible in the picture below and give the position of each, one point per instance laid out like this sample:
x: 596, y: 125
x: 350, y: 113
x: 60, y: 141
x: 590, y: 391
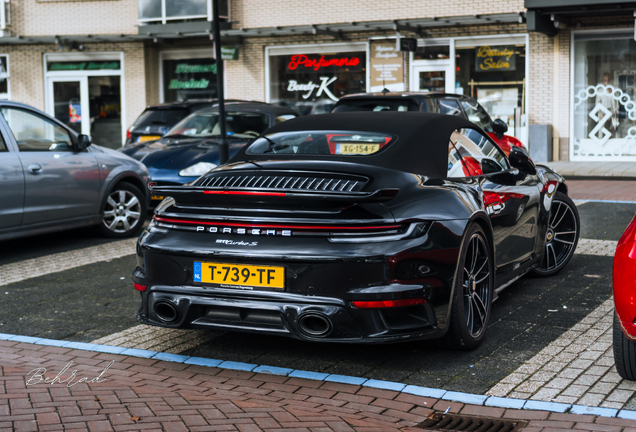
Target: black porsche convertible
x: 355, y: 227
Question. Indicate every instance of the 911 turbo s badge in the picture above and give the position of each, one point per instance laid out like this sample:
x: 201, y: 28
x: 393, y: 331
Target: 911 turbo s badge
x: 236, y: 243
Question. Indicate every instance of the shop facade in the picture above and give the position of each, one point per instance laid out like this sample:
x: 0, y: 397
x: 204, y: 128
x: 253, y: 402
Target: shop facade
x: 489, y: 68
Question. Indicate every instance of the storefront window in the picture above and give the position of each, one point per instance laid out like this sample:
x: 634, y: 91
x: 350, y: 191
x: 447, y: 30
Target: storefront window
x: 604, y: 124
x: 185, y: 79
x: 4, y: 77
x: 495, y: 76
x: 312, y: 83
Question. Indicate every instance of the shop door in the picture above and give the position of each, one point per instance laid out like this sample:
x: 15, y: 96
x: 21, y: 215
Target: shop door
x: 433, y: 78
x: 89, y: 105
x: 69, y: 103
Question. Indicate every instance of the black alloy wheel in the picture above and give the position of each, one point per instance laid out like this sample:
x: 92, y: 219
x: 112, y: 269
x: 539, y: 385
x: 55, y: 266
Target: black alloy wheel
x: 124, y: 212
x: 562, y: 236
x: 472, y: 296
x: 624, y: 352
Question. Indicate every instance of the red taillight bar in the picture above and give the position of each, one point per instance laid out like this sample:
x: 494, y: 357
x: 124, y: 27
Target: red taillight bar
x: 243, y: 193
x: 139, y: 287
x: 311, y: 227
x: 388, y: 303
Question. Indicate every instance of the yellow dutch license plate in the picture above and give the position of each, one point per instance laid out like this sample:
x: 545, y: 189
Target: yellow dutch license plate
x: 357, y: 148
x: 239, y: 276
x: 144, y: 138
x: 156, y: 197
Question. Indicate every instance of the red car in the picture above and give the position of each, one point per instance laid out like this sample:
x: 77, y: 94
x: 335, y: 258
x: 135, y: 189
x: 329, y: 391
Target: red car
x: 624, y: 280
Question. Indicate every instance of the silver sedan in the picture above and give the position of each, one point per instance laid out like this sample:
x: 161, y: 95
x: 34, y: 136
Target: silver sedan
x: 53, y: 179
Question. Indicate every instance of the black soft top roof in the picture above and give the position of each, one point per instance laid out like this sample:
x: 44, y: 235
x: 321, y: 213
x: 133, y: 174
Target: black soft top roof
x: 421, y: 147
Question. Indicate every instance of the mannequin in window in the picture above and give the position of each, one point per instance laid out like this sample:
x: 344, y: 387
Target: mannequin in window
x: 605, y: 99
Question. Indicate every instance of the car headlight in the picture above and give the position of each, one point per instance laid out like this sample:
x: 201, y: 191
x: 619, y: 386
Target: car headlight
x: 197, y: 169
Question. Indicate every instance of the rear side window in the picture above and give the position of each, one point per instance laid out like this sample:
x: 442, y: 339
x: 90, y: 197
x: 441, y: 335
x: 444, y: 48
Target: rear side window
x: 380, y: 104
x: 448, y: 107
x: 479, y: 154
x: 345, y: 143
x: 158, y: 118
x: 477, y: 114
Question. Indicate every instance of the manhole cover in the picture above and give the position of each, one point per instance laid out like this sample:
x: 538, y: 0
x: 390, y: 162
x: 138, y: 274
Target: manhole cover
x: 465, y: 423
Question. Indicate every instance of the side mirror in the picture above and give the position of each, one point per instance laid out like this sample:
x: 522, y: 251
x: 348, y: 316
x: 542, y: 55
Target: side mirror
x: 499, y: 126
x: 519, y: 159
x: 83, y: 141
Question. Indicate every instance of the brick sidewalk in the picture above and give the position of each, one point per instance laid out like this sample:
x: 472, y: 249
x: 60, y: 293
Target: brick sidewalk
x: 153, y: 395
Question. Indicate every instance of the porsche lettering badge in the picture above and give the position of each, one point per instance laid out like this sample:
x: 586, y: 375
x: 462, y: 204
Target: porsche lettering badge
x: 245, y: 231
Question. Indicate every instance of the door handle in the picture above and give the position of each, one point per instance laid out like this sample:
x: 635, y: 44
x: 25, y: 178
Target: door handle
x: 34, y: 168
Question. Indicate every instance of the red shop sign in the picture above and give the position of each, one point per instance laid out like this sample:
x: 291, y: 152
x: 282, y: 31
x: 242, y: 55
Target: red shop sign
x: 316, y: 64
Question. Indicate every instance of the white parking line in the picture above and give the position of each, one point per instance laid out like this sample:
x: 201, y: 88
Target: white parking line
x: 15, y: 272
x: 158, y: 339
x: 596, y: 247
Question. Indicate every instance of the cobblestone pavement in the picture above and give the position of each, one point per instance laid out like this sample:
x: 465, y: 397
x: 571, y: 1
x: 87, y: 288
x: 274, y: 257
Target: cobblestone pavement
x: 153, y: 395
x: 576, y: 368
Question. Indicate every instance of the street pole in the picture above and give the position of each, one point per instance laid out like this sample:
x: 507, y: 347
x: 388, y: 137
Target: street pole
x: 224, y: 148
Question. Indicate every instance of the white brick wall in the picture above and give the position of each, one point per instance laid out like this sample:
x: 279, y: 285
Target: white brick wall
x: 46, y: 18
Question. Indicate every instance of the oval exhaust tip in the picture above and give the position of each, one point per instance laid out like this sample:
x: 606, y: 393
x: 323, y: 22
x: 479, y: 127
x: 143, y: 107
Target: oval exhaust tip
x: 165, y: 311
x: 314, y: 324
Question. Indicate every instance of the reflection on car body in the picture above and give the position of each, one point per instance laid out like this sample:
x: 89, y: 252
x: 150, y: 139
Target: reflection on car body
x: 352, y: 227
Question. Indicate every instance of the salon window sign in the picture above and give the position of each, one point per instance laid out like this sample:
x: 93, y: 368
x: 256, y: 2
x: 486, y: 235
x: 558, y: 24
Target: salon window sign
x: 495, y: 58
x: 83, y: 66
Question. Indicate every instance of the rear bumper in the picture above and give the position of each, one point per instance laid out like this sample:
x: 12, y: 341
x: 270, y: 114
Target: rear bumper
x: 312, y: 319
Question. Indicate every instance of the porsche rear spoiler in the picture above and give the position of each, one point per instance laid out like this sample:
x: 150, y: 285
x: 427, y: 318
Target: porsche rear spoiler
x: 197, y: 196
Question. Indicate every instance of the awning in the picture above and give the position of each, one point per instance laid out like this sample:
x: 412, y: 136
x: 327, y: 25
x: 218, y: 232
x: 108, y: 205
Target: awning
x: 167, y: 32
x: 547, y: 16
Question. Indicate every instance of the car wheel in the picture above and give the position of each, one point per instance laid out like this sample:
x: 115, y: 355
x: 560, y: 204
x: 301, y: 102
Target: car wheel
x: 472, y: 296
x: 562, y: 236
x: 624, y: 352
x: 124, y: 211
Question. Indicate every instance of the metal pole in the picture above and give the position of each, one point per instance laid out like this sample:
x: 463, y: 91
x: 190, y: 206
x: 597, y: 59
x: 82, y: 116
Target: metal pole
x: 224, y: 148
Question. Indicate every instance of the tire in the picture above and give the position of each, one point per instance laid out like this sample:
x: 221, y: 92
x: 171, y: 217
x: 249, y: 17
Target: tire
x: 564, y: 227
x: 124, y: 213
x: 624, y: 352
x: 473, y: 292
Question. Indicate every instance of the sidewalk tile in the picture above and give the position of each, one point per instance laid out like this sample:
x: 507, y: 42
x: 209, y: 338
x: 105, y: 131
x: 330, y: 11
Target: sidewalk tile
x: 343, y: 379
x: 424, y: 391
x: 248, y: 367
x: 546, y: 406
x: 504, y: 402
x: 200, y: 361
x: 605, y: 412
x: 384, y: 385
x: 465, y: 397
x: 309, y: 375
x: 273, y: 370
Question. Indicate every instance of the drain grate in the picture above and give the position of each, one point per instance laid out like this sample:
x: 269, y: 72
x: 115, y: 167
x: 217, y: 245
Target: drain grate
x: 464, y: 423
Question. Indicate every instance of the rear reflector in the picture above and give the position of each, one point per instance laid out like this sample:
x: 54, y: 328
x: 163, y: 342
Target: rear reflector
x: 388, y: 303
x: 139, y: 287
